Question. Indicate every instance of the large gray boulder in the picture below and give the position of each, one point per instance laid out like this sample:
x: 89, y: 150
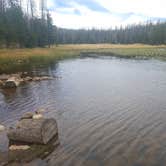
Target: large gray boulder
x: 34, y: 131
x: 12, y: 82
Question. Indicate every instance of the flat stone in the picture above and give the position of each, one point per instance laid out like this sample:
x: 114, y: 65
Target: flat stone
x: 28, y: 79
x: 46, y: 78
x: 19, y: 147
x: 36, y: 79
x: 42, y: 78
x: 37, y: 116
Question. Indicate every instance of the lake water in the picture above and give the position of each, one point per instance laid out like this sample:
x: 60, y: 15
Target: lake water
x: 109, y: 111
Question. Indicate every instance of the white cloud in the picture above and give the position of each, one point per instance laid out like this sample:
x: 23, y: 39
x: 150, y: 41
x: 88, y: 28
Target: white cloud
x: 150, y: 8
x: 94, y: 20
x: 50, y: 3
x: 87, y: 19
x: 122, y: 12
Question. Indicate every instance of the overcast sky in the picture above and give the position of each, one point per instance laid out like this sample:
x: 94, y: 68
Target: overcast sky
x: 105, y: 13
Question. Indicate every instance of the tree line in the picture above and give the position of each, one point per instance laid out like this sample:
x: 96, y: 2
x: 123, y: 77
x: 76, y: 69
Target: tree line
x: 149, y: 33
x: 22, y: 26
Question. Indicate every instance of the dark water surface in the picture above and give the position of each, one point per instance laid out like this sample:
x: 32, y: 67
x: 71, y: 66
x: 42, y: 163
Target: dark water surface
x: 109, y: 111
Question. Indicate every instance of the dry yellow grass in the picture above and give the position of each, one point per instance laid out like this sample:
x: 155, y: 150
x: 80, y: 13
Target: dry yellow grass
x: 61, y: 49
x: 108, y: 46
x: 16, y: 58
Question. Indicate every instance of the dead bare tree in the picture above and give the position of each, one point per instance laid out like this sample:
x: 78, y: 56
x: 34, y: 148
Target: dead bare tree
x: 20, y: 3
x: 2, y: 6
x: 43, y: 8
x: 32, y: 7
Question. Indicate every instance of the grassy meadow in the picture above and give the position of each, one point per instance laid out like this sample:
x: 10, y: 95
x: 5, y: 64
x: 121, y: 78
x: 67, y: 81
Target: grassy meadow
x: 13, y: 60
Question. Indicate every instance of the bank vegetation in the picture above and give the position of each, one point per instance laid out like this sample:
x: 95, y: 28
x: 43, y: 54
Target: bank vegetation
x: 25, y: 59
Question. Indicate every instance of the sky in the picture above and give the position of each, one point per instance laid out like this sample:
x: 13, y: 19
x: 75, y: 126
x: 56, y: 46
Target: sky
x: 104, y: 14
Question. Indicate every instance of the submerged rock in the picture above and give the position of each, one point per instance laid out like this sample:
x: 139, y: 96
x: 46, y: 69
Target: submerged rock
x: 31, y: 139
x: 19, y: 147
x: 42, y: 78
x: 12, y: 82
x: 28, y: 115
x: 33, y: 153
x: 37, y: 78
x: 33, y: 115
x: 36, y: 131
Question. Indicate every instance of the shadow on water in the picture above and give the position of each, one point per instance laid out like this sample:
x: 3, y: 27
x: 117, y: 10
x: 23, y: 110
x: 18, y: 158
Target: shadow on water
x: 109, y: 111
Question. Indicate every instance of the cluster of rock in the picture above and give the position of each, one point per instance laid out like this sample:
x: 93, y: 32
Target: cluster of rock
x: 14, y: 80
x: 33, y: 136
x: 33, y: 128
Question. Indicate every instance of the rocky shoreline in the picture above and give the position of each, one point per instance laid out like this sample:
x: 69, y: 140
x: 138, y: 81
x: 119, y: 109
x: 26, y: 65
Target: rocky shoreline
x: 15, y: 80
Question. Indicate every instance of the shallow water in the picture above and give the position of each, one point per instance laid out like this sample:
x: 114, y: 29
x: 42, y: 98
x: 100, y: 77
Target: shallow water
x: 109, y: 111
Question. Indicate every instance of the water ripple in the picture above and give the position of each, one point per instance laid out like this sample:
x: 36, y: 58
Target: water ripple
x: 109, y: 111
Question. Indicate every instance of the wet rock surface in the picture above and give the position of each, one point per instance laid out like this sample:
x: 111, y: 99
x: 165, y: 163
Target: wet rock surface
x: 28, y: 154
x: 14, y: 80
x: 43, y: 136
x: 28, y: 115
x: 38, y: 130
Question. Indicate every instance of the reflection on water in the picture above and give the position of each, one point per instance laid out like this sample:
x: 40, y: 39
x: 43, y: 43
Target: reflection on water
x: 109, y: 111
